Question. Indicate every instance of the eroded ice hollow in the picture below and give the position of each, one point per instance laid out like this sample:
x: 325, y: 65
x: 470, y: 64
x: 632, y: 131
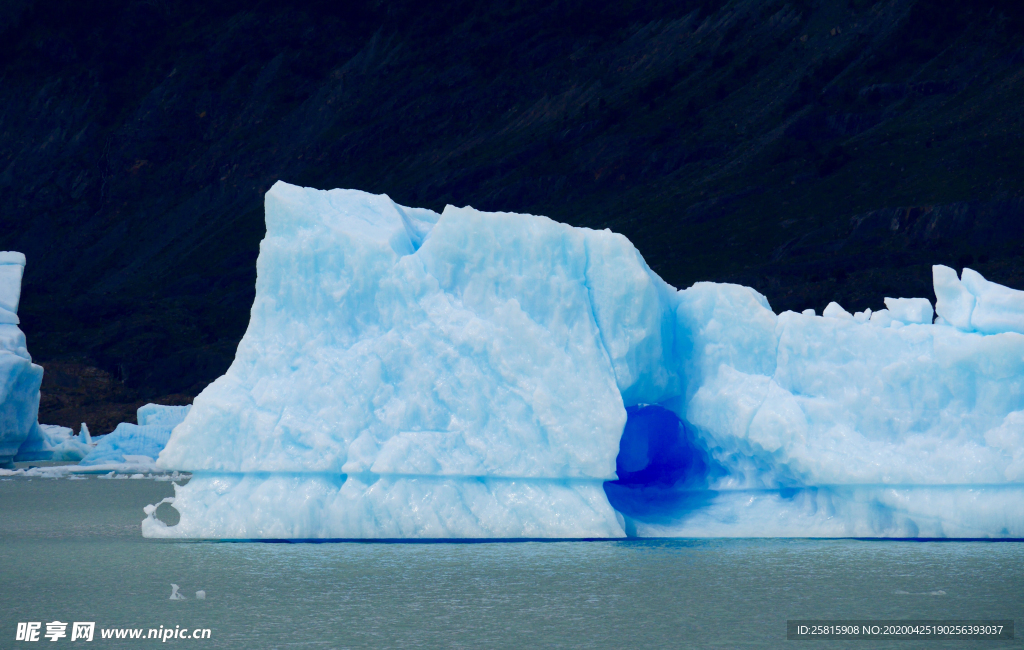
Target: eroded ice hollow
x: 413, y: 375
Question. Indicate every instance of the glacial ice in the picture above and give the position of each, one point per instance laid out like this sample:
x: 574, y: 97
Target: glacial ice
x: 19, y: 377
x: 53, y: 443
x: 129, y: 448
x: 413, y: 375
x: 135, y: 445
x: 22, y: 438
x: 12, y: 266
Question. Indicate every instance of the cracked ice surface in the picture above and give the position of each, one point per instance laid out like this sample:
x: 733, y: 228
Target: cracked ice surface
x: 409, y: 374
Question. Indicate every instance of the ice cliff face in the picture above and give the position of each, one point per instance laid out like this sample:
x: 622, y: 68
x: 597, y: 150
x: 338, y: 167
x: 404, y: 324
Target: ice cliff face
x: 19, y: 377
x: 22, y: 438
x: 469, y: 374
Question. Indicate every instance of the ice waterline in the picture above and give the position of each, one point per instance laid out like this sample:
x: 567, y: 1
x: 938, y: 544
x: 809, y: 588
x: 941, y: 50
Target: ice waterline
x: 464, y: 375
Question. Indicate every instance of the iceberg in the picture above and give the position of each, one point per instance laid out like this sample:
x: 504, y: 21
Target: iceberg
x: 19, y: 377
x: 54, y: 443
x: 135, y: 445
x: 408, y: 374
x: 22, y: 438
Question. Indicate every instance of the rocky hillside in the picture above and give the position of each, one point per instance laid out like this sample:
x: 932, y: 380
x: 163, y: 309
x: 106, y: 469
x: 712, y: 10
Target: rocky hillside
x: 814, y: 149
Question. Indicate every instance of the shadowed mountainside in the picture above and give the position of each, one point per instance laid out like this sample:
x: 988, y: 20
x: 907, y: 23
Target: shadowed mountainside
x: 816, y: 150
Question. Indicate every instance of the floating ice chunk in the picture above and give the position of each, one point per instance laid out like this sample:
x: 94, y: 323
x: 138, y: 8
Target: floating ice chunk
x: 51, y: 471
x: 910, y: 310
x: 834, y: 310
x: 174, y: 593
x: 200, y: 595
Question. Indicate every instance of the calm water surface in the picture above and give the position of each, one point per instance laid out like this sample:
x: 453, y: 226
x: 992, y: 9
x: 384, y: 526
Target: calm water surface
x: 71, y: 550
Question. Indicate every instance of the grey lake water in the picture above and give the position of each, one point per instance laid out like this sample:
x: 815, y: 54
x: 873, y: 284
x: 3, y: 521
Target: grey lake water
x: 71, y: 550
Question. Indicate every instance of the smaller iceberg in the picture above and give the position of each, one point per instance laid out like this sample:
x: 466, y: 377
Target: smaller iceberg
x: 19, y: 377
x: 54, y: 443
x: 136, y: 444
x: 22, y: 438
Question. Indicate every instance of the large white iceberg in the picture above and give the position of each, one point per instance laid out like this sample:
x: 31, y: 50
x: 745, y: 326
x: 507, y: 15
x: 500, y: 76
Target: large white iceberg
x: 470, y: 374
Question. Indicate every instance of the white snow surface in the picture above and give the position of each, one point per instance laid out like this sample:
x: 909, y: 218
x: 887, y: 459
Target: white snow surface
x: 413, y: 375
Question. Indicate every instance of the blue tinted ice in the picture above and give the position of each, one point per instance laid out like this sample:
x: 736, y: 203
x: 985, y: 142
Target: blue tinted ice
x: 471, y: 374
x: 19, y: 377
x: 137, y: 443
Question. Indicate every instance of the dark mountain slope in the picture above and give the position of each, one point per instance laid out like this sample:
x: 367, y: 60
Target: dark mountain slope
x: 814, y: 149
